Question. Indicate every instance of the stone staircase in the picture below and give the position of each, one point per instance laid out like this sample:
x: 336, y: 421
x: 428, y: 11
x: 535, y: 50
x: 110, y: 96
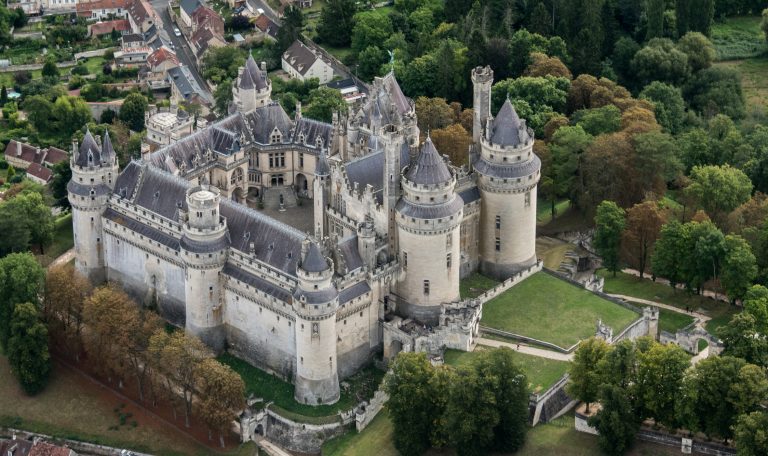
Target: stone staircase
x: 271, y: 197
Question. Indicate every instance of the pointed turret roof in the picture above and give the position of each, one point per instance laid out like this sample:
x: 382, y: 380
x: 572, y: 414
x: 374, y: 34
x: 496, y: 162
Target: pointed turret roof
x: 429, y: 167
x: 252, y: 76
x: 89, y: 153
x: 508, y: 129
x: 314, y: 261
x: 107, y: 151
x: 322, y: 168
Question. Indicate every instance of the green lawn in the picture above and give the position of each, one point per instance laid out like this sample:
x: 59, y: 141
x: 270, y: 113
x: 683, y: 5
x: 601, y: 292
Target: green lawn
x: 271, y: 388
x: 550, y: 309
x: 544, y: 210
x: 739, y: 38
x: 555, y: 438
x: 541, y: 372
x: 475, y: 285
x: 671, y: 321
x: 753, y: 80
x: 63, y: 240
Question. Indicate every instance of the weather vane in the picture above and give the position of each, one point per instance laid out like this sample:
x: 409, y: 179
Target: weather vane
x: 391, y: 60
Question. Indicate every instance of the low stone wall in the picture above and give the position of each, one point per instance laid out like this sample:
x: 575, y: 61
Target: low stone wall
x: 664, y: 438
x: 77, y: 446
x: 530, y: 340
x: 550, y: 404
x: 510, y: 282
x: 301, y: 437
x: 688, y: 339
x: 368, y: 410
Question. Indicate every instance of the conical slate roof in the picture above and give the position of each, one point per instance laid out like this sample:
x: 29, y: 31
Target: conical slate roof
x: 507, y: 128
x: 322, y: 168
x: 314, y: 261
x: 107, y: 151
x: 89, y: 153
x: 252, y: 76
x: 429, y: 167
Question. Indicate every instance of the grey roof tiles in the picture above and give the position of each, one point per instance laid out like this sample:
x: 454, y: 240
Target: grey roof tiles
x: 429, y: 168
x: 507, y: 128
x: 314, y: 261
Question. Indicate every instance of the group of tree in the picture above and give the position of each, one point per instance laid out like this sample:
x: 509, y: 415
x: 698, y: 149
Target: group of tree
x: 25, y: 219
x: 475, y: 409
x: 638, y: 380
x: 449, y: 126
x: 125, y: 341
x: 23, y: 336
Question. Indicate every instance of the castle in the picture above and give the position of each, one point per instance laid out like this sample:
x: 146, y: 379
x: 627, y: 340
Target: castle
x: 394, y: 225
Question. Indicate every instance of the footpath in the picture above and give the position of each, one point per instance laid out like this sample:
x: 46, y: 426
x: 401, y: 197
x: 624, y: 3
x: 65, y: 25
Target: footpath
x: 526, y: 349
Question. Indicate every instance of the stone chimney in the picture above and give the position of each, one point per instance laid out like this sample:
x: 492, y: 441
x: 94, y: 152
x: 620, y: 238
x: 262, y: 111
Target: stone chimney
x: 263, y: 66
x: 18, y: 148
x: 298, y: 110
x: 145, y: 151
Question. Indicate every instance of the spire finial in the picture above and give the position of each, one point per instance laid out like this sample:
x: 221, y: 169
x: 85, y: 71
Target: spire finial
x: 391, y: 61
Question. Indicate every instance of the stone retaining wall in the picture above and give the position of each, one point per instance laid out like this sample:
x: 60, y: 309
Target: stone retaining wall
x: 77, y: 446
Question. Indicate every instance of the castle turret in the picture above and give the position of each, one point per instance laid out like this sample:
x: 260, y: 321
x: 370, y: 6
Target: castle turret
x: 507, y: 175
x: 204, y: 246
x: 252, y: 88
x: 321, y: 194
x: 94, y: 170
x: 315, y: 302
x: 482, y: 80
x: 392, y: 141
x: 428, y: 220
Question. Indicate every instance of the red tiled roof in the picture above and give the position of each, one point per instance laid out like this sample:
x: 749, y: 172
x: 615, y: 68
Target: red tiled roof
x: 140, y: 10
x: 46, y: 449
x: 266, y: 25
x: 102, y: 28
x: 26, y: 152
x: 55, y: 156
x: 161, y: 55
x: 101, y: 4
x: 40, y: 172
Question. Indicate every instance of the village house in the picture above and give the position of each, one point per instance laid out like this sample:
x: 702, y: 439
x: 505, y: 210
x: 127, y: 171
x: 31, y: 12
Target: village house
x: 301, y: 63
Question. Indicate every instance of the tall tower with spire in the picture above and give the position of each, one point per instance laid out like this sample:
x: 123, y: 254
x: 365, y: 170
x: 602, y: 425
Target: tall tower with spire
x: 94, y: 170
x: 321, y: 193
x: 507, y: 175
x: 428, y: 220
x: 252, y: 88
x: 316, y: 301
x: 482, y: 80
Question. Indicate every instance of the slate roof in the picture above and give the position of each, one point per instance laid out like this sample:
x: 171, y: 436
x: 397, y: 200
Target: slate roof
x: 89, y: 153
x: 189, y: 6
x: 369, y: 170
x: 107, y: 151
x: 350, y: 254
x: 140, y: 10
x: 312, y: 131
x: 387, y: 102
x: 470, y: 195
x: 314, y: 261
x: 252, y: 76
x: 156, y: 191
x: 300, y: 57
x: 509, y: 171
x: 266, y: 25
x: 185, y: 82
x: 132, y: 38
x: 55, y: 156
x: 256, y: 282
x: 429, y: 168
x: 356, y: 290
x: 262, y: 121
x: 508, y: 129
x: 429, y: 212
x: 142, y: 229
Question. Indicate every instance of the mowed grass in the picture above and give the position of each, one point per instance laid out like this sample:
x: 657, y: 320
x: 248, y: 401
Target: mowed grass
x: 544, y: 209
x: 670, y: 321
x: 71, y: 407
x: 376, y: 439
x: 63, y: 240
x: 550, y: 309
x: 629, y: 285
x: 541, y: 372
x: 739, y: 38
x: 555, y: 438
x: 475, y: 285
x: 753, y: 79
x: 272, y: 388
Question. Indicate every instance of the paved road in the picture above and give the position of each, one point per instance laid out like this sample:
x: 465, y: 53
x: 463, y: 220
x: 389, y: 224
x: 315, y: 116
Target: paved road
x: 256, y: 4
x: 526, y: 349
x: 185, y: 54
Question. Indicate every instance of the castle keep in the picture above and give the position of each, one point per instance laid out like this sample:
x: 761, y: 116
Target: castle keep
x: 394, y: 226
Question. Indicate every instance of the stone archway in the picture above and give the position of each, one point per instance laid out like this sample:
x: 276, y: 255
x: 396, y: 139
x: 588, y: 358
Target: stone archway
x: 259, y: 430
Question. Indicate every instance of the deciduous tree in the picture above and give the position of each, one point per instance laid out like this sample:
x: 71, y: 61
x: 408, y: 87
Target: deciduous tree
x: 739, y: 267
x: 222, y: 395
x: 610, y: 221
x: 21, y: 280
x: 65, y: 292
x: 750, y: 432
x: 616, y: 421
x: 669, y: 106
x: 719, y: 189
x: 28, y: 348
x: 453, y: 141
x: 132, y: 111
x: 585, y: 375
x: 700, y: 51
x: 643, y: 227
x: 659, y: 379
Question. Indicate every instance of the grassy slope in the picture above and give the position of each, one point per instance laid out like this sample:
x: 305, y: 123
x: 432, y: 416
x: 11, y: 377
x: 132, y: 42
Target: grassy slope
x: 375, y: 439
x: 625, y: 284
x: 475, y: 285
x: 672, y: 321
x: 553, y: 310
x: 66, y: 408
x: 271, y: 388
x: 541, y: 372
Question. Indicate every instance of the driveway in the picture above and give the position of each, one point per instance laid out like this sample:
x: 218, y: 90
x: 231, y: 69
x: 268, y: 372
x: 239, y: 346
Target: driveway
x: 183, y: 52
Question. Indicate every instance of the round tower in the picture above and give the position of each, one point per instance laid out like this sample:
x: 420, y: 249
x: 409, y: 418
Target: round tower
x: 204, y: 246
x: 482, y: 80
x: 252, y: 88
x: 94, y: 171
x: 428, y: 218
x: 315, y: 302
x: 507, y: 175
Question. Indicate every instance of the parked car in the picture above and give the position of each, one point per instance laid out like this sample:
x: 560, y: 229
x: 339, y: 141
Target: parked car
x: 176, y: 31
